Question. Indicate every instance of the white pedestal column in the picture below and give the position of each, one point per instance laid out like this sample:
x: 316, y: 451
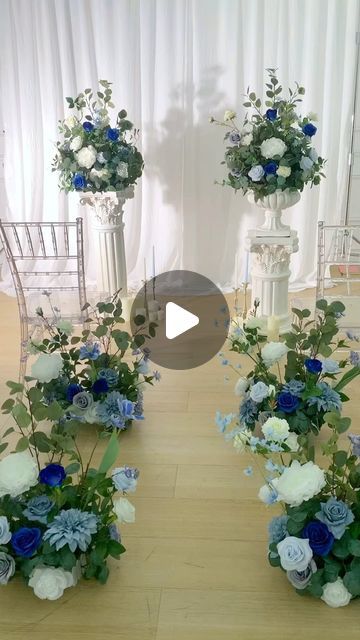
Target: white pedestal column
x: 107, y: 214
x: 270, y: 274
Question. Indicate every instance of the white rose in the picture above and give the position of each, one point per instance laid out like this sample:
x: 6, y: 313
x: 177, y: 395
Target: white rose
x: 65, y: 326
x: 101, y: 174
x: 100, y: 158
x: 124, y: 510
x: 335, y: 594
x: 259, y: 392
x: 76, y: 143
x: 229, y: 115
x: 241, y: 439
x: 246, y: 140
x: 122, y: 170
x: 47, y: 367
x: 241, y: 386
x: 312, y: 116
x: 247, y: 128
x: 292, y: 442
x: 295, y: 553
x: 70, y: 121
x: 299, y: 483
x: 253, y: 322
x: 18, y: 473
x: 273, y: 352
x: 49, y: 583
x: 284, y: 172
x: 7, y: 567
x: 276, y: 429
x: 86, y: 157
x: 273, y: 147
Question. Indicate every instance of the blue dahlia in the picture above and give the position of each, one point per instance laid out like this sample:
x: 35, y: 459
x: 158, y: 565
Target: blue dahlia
x: 111, y: 376
x: 72, y: 527
x: 328, y: 401
x: 248, y: 411
x: 100, y: 386
x: 295, y: 387
x: 277, y: 528
x: 90, y: 351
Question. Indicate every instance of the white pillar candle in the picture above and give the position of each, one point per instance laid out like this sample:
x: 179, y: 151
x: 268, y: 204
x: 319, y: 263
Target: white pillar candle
x: 273, y: 327
x: 153, y: 305
x: 153, y: 316
x: 140, y: 311
x: 246, y: 268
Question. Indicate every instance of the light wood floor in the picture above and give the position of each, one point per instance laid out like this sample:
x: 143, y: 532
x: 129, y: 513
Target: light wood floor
x: 195, y: 567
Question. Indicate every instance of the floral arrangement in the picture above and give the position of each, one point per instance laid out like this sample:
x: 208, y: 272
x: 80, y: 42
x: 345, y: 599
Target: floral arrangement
x: 87, y: 375
x: 58, y: 513
x: 316, y: 538
x: 312, y: 382
x: 273, y: 148
x: 93, y: 154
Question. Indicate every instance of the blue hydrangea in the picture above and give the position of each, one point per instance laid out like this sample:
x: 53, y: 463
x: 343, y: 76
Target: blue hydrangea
x: 90, y: 350
x: 110, y: 375
x: 277, y: 529
x: 139, y: 406
x: 72, y: 527
x: 248, y: 411
x: 329, y: 399
x: 116, y: 410
x: 354, y: 358
x: 295, y: 387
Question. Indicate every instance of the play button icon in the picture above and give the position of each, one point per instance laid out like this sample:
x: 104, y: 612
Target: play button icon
x: 192, y: 318
x: 178, y: 320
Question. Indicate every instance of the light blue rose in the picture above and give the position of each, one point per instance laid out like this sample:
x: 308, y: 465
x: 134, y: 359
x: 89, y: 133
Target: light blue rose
x: 5, y: 533
x: 295, y: 553
x: 306, y: 163
x: 313, y: 154
x: 259, y: 392
x: 330, y: 366
x: 336, y: 515
x: 256, y: 173
x: 37, y: 508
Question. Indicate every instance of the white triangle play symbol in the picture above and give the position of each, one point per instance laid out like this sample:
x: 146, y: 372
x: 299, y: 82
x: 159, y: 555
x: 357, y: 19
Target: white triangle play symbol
x: 178, y: 320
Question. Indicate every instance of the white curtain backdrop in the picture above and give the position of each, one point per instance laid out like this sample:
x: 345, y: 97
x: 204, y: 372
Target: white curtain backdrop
x: 173, y: 64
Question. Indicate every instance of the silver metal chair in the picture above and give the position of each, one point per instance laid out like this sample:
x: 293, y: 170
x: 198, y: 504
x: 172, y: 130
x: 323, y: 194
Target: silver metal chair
x: 338, y: 269
x: 30, y: 245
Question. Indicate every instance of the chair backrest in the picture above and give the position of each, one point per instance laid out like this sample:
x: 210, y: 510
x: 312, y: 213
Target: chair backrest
x: 58, y: 246
x: 338, y: 267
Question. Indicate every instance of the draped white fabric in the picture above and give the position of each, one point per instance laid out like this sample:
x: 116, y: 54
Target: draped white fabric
x: 173, y: 63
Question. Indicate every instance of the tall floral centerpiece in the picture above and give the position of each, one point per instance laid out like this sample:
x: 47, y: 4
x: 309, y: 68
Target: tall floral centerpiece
x: 99, y: 159
x: 270, y: 157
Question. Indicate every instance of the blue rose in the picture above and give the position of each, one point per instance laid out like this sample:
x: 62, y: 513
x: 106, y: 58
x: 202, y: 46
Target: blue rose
x: 270, y: 168
x: 320, y: 538
x: 72, y: 390
x: 79, y: 181
x: 309, y: 129
x: 112, y: 134
x: 313, y: 365
x: 271, y: 114
x: 38, y: 508
x: 52, y: 475
x: 26, y: 541
x: 287, y: 402
x: 336, y: 515
x: 100, y: 386
x: 88, y: 126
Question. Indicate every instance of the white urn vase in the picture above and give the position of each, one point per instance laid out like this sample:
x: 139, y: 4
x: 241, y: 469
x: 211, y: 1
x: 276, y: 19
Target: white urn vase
x: 273, y: 206
x: 107, y: 210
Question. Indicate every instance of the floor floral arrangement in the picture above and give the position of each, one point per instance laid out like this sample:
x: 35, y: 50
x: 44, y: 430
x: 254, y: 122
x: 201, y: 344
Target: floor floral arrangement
x: 90, y: 376
x: 273, y: 148
x: 59, y: 514
x: 316, y: 539
x: 95, y: 155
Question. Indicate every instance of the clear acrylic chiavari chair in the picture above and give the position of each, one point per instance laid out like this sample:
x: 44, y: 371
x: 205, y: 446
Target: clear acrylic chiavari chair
x: 44, y: 258
x: 338, y: 269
